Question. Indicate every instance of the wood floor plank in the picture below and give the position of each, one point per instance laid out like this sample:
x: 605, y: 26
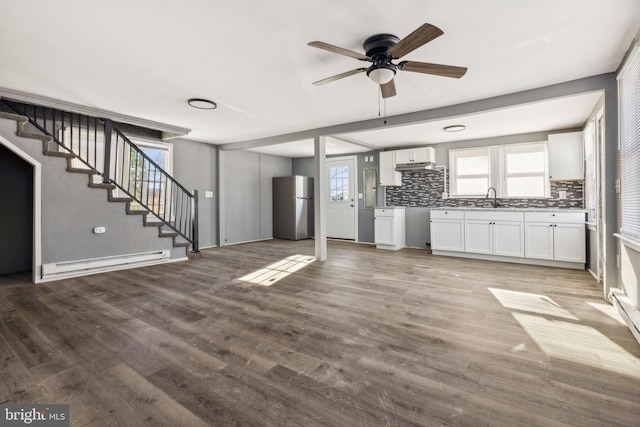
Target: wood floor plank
x: 367, y: 338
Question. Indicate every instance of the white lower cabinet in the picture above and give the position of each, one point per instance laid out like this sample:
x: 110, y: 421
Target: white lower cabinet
x: 447, y: 231
x: 494, y: 233
x: 553, y: 238
x: 389, y: 224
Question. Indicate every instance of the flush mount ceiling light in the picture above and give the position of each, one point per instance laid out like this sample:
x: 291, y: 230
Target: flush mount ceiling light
x: 202, y: 104
x: 454, y: 128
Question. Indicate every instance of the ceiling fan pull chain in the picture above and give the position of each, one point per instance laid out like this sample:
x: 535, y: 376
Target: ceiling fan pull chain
x: 378, y: 90
x: 385, y: 110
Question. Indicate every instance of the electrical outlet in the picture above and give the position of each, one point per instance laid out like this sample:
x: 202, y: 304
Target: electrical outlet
x: 562, y: 194
x: 444, y: 195
x: 208, y: 194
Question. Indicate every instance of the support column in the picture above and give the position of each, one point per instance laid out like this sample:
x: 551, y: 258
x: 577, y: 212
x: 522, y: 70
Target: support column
x: 320, y: 192
x: 222, y: 194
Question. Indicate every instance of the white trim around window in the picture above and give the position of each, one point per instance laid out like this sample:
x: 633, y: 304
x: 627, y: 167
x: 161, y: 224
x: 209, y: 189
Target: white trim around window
x: 514, y: 170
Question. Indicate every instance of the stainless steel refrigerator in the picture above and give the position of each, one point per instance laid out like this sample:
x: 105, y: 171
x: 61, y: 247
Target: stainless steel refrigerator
x: 292, y: 207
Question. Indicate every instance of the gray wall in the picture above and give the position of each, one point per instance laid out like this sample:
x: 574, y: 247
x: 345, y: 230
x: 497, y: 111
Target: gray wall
x: 194, y: 166
x: 16, y: 213
x: 248, y: 193
x: 70, y: 211
x: 305, y: 166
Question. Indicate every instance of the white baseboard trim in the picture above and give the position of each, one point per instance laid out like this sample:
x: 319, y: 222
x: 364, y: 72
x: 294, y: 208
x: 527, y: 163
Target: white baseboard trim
x: 513, y: 260
x: 627, y: 310
x: 86, y: 267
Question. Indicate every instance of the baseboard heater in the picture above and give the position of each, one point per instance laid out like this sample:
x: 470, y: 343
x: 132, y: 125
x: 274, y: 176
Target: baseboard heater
x: 627, y: 310
x: 60, y: 270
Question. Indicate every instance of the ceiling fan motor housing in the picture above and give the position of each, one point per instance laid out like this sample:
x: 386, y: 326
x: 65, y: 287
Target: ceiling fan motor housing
x: 378, y: 45
x: 376, y: 48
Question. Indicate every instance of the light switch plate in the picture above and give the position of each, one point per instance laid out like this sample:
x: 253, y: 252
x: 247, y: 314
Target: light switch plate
x: 208, y: 194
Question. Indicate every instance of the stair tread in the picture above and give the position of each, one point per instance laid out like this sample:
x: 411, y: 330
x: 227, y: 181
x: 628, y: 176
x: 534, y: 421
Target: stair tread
x: 57, y: 152
x: 81, y: 170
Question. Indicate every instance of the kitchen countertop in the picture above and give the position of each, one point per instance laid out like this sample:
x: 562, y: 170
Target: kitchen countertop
x: 462, y: 208
x: 390, y: 207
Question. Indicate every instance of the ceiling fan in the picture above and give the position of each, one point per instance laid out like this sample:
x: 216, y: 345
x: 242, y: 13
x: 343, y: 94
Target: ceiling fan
x: 383, y: 49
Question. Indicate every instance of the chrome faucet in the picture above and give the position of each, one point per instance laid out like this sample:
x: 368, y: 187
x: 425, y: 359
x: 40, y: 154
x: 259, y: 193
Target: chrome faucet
x: 495, y: 196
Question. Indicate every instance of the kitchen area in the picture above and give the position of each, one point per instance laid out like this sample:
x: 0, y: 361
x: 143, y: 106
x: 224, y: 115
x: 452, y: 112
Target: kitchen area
x: 420, y: 211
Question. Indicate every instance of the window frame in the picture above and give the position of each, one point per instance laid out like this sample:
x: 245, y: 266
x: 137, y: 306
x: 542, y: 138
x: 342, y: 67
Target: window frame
x: 497, y: 170
x: 629, y: 146
x: 505, y: 175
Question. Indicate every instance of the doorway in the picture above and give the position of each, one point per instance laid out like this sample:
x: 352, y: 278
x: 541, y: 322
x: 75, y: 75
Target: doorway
x: 16, y: 213
x: 342, y: 218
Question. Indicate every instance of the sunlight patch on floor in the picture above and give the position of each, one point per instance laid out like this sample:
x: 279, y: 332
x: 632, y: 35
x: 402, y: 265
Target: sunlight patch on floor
x: 272, y: 273
x: 578, y: 343
x: 540, y: 304
x: 609, y: 310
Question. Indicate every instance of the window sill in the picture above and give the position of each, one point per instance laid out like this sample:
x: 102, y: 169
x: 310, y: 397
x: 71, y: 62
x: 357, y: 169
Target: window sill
x: 628, y: 242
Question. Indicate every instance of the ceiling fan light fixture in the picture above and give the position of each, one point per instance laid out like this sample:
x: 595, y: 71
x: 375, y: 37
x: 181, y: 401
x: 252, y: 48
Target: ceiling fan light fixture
x: 454, y: 128
x: 202, y: 104
x: 381, y: 75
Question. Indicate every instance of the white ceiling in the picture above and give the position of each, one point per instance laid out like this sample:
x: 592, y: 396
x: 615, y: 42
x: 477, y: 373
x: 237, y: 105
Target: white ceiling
x: 145, y: 59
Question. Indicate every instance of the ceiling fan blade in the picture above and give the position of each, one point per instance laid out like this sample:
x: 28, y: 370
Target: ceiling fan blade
x: 339, y: 50
x: 436, y: 69
x: 388, y: 89
x: 339, y: 76
x: 421, y: 36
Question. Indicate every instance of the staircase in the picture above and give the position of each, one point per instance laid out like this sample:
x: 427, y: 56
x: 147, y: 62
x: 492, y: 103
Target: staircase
x: 95, y: 147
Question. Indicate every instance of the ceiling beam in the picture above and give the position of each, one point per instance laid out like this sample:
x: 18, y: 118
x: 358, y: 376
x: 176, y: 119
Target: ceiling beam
x: 354, y: 142
x: 574, y: 87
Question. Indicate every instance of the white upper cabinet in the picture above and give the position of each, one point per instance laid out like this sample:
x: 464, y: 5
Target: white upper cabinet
x: 566, y: 156
x: 415, y: 155
x: 388, y: 174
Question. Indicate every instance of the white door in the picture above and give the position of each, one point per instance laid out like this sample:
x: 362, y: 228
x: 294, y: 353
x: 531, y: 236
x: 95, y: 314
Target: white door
x: 383, y: 230
x: 568, y: 242
x: 538, y: 240
x: 478, y: 237
x: 508, y: 238
x: 341, y: 211
x: 446, y: 235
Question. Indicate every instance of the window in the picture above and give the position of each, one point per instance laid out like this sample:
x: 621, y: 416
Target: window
x: 515, y: 170
x: 339, y: 183
x: 629, y: 121
x: 525, y: 170
x: 146, y: 180
x: 470, y: 172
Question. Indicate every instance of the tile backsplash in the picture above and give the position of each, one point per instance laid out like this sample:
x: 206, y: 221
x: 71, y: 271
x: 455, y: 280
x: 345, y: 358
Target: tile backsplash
x: 425, y: 188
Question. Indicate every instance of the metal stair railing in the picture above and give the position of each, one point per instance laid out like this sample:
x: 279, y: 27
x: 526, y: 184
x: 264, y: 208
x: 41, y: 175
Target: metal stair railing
x: 100, y: 147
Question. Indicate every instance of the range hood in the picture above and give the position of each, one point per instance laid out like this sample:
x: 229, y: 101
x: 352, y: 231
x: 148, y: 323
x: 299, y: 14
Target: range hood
x: 414, y: 166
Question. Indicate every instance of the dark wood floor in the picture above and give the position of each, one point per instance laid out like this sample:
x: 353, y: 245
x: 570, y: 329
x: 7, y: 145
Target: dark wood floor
x: 366, y: 338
